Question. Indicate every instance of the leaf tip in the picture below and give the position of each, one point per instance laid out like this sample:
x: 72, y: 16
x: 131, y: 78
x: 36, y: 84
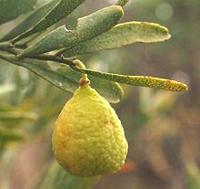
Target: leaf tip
x: 177, y: 86
x: 165, y: 31
x: 184, y: 87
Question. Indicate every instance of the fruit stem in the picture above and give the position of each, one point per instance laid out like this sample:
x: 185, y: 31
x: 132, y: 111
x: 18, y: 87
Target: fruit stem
x: 84, y: 79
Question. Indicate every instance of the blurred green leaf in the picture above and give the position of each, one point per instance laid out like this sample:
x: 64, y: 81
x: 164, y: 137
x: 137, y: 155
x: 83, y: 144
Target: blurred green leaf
x: 57, y: 177
x: 87, y: 28
x: 17, y: 115
x: 67, y: 79
x: 121, y: 35
x: 193, y: 176
x: 12, y: 117
x: 143, y: 81
x: 10, y: 9
x: 10, y: 136
x: 7, y: 136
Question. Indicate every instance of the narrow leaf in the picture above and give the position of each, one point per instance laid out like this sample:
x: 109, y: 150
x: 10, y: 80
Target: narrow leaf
x: 37, y: 17
x: 87, y: 28
x: 53, y: 40
x: 143, y: 81
x: 63, y: 9
x: 121, y: 35
x: 43, y: 18
x: 10, y: 9
x: 67, y: 79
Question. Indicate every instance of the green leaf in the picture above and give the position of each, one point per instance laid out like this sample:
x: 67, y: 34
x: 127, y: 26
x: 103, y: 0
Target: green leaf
x: 32, y: 21
x: 43, y: 18
x: 121, y: 35
x: 10, y: 9
x: 143, y: 81
x: 57, y: 177
x: 98, y: 22
x: 67, y: 79
x: 63, y: 9
x: 53, y: 40
x: 87, y: 28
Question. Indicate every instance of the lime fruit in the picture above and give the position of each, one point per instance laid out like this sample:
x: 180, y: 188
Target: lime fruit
x: 88, y: 138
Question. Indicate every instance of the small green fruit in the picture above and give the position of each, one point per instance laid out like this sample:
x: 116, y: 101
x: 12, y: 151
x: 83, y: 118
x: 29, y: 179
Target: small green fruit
x: 88, y: 138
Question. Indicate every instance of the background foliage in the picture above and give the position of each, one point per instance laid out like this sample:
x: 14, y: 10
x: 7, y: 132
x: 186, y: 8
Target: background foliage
x: 162, y: 127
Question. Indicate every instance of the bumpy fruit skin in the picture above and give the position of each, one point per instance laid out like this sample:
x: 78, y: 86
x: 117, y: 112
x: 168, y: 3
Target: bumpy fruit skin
x: 88, y: 138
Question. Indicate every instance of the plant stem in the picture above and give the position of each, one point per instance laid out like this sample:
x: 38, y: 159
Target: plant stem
x: 5, y: 45
x: 53, y: 58
x: 122, y: 2
x: 8, y: 59
x: 8, y: 47
x: 58, y: 59
x: 84, y: 80
x: 13, y: 58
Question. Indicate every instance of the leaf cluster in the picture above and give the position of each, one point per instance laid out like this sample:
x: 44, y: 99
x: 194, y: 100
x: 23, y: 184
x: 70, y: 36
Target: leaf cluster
x: 43, y: 44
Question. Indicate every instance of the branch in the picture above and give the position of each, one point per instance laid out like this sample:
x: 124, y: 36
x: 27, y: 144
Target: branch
x: 5, y: 45
x: 59, y: 59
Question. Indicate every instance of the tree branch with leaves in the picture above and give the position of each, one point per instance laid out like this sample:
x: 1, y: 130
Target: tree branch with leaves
x: 37, y: 45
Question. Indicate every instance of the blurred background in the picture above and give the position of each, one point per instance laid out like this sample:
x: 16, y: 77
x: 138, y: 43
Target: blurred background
x: 162, y: 128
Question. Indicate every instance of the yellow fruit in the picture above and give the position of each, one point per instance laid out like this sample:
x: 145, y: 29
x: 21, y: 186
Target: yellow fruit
x: 88, y: 138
